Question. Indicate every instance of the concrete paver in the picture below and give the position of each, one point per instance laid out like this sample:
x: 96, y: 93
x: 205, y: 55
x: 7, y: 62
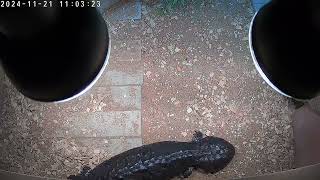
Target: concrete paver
x: 131, y: 10
x: 126, y: 50
x: 16, y: 176
x: 118, y: 78
x: 107, y: 98
x: 125, y: 66
x: 100, y: 124
x: 257, y: 4
x: 122, y: 73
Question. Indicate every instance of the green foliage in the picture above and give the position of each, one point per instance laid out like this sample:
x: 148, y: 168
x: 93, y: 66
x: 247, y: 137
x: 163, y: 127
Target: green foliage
x: 171, y: 4
x: 168, y: 6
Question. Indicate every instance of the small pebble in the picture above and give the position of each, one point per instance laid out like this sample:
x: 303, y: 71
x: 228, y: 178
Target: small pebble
x: 184, y: 134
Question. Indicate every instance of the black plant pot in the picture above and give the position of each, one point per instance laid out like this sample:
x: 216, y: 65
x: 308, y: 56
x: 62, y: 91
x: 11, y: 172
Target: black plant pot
x: 284, y: 40
x: 53, y: 54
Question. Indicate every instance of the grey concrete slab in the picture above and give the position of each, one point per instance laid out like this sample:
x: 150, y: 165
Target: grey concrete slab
x: 260, y: 1
x: 257, y: 4
x: 6, y: 175
x: 113, y: 98
x: 102, y: 99
x: 125, y: 66
x: 128, y: 10
x: 100, y: 124
x: 126, y: 96
x: 126, y: 50
x: 108, y: 3
x: 120, y: 77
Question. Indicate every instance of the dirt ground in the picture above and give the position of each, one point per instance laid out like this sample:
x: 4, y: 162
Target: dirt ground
x: 199, y: 76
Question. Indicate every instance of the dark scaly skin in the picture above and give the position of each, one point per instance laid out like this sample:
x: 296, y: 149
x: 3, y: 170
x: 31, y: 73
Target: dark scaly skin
x: 165, y: 160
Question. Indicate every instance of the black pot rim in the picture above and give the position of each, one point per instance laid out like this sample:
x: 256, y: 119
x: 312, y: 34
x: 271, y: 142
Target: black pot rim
x: 106, y: 61
x: 258, y: 67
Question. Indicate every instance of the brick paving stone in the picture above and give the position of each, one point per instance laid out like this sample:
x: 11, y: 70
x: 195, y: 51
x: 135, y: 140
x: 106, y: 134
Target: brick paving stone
x: 100, y: 124
x: 257, y: 4
x: 125, y: 66
x: 260, y: 1
x: 117, y: 78
x: 105, y: 4
x: 126, y: 50
x: 126, y: 11
x: 110, y: 98
x: 127, y: 97
x: 15, y: 176
x: 125, y: 30
x: 122, y: 73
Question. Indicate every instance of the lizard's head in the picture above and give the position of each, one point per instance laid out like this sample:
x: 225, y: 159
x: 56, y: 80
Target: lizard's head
x: 216, y: 144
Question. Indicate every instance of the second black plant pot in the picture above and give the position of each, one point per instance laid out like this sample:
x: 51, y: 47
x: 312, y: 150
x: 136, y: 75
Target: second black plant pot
x: 284, y: 41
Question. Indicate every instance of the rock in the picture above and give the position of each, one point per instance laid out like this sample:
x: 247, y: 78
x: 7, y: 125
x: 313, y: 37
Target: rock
x: 219, y: 30
x: 152, y: 23
x: 200, y: 123
x: 148, y: 73
x: 238, y: 27
x: 171, y: 49
x: 184, y: 134
x: 222, y: 82
x: 174, y: 17
x: 208, y: 133
x: 189, y: 110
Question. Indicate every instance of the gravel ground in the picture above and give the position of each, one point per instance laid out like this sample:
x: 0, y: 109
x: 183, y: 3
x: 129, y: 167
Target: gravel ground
x: 199, y: 76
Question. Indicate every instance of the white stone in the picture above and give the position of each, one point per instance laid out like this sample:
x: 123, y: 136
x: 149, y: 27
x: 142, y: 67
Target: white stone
x: 184, y: 134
